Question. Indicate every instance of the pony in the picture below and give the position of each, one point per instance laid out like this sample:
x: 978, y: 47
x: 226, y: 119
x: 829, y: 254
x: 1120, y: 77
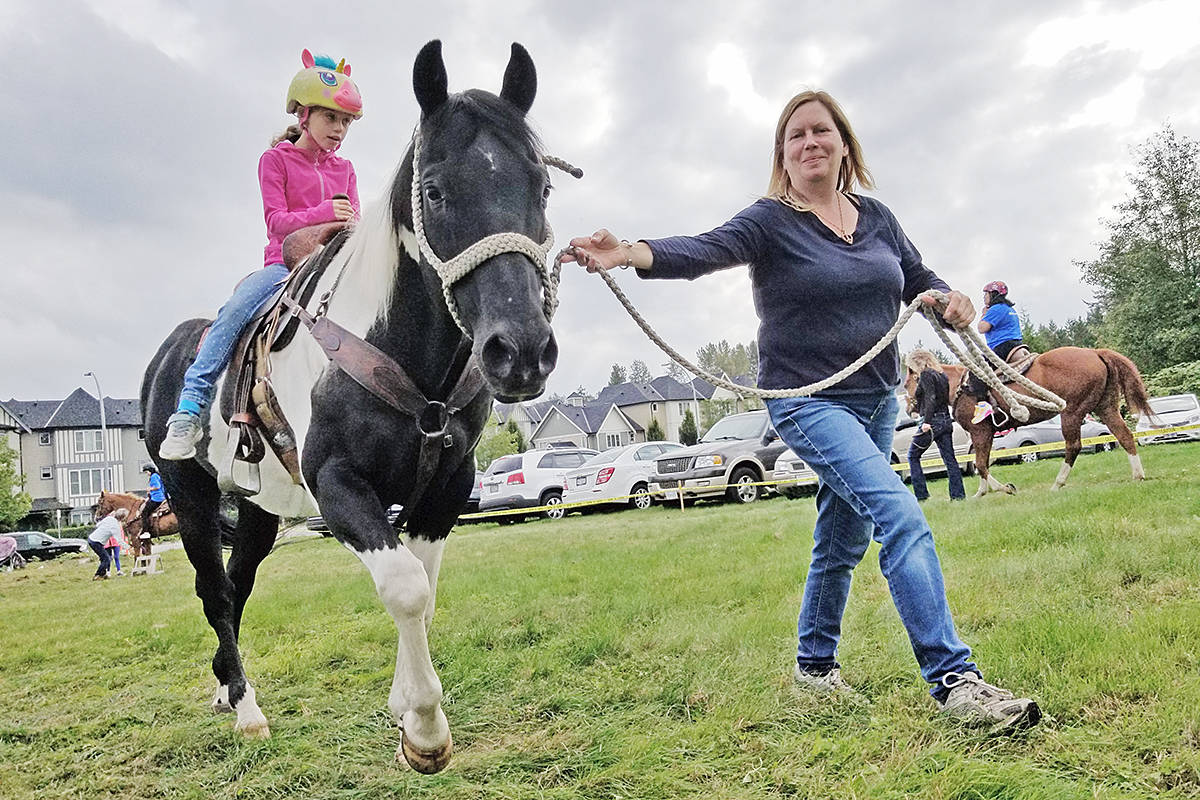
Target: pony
x: 1089, y: 380
x: 473, y: 172
x: 162, y: 521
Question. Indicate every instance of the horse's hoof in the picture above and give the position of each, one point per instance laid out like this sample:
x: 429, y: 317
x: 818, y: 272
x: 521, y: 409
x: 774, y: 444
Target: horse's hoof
x: 1010, y: 489
x: 427, y: 762
x: 254, y: 730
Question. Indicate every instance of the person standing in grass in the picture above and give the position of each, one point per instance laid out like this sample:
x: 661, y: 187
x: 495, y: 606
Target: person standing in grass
x: 829, y: 268
x: 109, y: 526
x: 932, y: 398
x: 114, y: 545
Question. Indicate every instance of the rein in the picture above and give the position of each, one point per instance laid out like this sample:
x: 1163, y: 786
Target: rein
x: 974, y: 355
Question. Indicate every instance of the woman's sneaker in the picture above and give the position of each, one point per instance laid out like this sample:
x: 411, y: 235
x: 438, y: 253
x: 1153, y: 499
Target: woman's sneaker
x: 183, y: 431
x: 972, y: 699
x: 828, y: 683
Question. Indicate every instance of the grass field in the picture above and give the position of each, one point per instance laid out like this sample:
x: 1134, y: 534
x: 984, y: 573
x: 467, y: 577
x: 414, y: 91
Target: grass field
x: 641, y: 655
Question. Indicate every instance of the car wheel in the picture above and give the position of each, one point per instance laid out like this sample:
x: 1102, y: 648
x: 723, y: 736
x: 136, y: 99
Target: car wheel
x: 642, y: 499
x: 742, y: 489
x: 1028, y: 458
x: 554, y: 500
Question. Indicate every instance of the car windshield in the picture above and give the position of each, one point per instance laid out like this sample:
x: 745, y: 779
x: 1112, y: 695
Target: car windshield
x: 603, y: 458
x: 739, y: 426
x: 1167, y: 405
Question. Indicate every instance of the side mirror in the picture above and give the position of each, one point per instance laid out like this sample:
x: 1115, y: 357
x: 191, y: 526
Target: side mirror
x: 769, y: 435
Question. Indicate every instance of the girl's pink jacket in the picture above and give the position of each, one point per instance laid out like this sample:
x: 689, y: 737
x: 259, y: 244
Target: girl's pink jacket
x: 297, y: 191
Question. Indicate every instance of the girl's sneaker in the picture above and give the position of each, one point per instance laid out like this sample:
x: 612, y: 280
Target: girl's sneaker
x: 183, y: 431
x: 983, y: 410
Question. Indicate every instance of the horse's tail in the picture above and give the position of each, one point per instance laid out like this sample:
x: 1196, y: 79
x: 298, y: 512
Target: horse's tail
x: 1125, y: 374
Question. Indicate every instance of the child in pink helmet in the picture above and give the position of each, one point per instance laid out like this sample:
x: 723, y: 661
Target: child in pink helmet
x: 301, y: 178
x: 1001, y: 328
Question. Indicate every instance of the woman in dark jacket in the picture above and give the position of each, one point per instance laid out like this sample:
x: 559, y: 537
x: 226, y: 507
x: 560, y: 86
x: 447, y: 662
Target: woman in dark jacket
x: 932, y: 398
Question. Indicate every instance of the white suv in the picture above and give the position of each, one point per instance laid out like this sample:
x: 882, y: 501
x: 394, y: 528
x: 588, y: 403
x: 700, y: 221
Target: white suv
x: 530, y: 479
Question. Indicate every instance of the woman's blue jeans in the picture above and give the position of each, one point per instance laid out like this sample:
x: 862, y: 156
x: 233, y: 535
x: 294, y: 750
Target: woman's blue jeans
x: 859, y: 497
x: 943, y: 435
x: 217, y: 348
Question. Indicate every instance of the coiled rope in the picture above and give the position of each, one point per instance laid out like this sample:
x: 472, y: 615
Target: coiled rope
x: 974, y: 355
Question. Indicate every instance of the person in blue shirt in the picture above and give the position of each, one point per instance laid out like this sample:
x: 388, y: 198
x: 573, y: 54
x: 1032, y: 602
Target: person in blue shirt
x: 829, y: 268
x: 154, y: 498
x: 1001, y: 329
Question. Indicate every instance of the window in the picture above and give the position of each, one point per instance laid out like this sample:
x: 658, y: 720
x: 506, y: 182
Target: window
x: 81, y: 517
x: 44, y: 439
x: 47, y: 474
x: 88, y: 442
x: 653, y: 407
x: 141, y: 434
x: 85, y: 481
x: 612, y: 440
x: 683, y: 407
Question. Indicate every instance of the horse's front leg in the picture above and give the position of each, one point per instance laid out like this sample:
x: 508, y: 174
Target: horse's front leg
x: 429, y: 553
x: 356, y: 518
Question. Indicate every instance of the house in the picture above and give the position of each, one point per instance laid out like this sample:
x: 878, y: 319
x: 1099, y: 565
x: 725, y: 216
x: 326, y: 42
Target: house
x: 66, y: 455
x: 595, y: 425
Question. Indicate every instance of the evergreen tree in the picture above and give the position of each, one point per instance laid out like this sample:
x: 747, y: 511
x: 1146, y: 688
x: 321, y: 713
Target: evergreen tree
x: 617, y: 376
x: 14, y: 503
x: 687, y: 429
x: 639, y: 372
x: 654, y: 431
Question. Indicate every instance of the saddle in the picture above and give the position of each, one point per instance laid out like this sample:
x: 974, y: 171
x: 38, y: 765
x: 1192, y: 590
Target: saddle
x: 248, y: 401
x: 1020, y: 359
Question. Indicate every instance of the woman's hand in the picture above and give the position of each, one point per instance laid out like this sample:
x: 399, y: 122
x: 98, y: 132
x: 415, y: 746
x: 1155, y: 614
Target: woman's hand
x: 959, y: 309
x: 599, y: 252
x: 926, y: 428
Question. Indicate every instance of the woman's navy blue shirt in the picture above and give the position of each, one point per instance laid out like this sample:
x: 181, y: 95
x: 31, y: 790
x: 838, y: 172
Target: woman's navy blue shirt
x: 821, y: 302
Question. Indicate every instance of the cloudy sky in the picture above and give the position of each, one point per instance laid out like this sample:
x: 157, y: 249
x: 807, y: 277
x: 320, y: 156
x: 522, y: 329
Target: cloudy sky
x: 999, y: 133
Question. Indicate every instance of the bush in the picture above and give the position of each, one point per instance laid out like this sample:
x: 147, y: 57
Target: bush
x: 1178, y: 379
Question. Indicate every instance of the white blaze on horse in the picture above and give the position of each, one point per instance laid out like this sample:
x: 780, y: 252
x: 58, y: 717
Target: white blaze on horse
x: 1091, y: 381
x: 480, y: 174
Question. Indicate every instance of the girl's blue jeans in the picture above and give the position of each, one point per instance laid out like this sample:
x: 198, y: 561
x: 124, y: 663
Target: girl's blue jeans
x: 860, y: 496
x: 248, y: 297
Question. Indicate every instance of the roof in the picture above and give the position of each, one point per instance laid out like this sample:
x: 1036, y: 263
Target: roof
x: 79, y: 410
x: 42, y: 504
x: 628, y: 394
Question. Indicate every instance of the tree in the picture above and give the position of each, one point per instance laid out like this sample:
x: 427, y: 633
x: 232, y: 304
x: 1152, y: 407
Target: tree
x: 497, y: 440
x: 639, y: 372
x: 677, y: 372
x: 14, y: 503
x: 718, y: 357
x: 617, y: 375
x: 1147, y: 276
x: 654, y: 431
x: 687, y: 429
x: 1080, y: 332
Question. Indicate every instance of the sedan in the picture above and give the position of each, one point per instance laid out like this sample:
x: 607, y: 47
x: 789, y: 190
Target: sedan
x: 35, y: 544
x: 620, y: 475
x: 907, y: 427
x: 1046, y: 432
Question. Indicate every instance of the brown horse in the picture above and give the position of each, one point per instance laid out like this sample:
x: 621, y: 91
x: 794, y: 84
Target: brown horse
x: 162, y: 521
x: 1090, y: 381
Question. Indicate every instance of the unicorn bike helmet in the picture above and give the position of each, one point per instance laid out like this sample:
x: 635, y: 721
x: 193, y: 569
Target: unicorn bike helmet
x: 323, y: 83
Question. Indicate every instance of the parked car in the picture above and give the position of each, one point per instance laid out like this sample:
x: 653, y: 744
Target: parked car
x: 906, y: 429
x: 1171, y: 411
x: 473, y: 498
x: 617, y: 473
x: 530, y: 479
x: 800, y: 477
x: 318, y: 524
x: 739, y: 450
x: 1046, y: 432
x: 35, y: 544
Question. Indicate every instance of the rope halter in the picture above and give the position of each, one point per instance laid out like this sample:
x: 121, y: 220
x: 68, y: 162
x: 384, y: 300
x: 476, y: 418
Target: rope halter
x: 461, y: 265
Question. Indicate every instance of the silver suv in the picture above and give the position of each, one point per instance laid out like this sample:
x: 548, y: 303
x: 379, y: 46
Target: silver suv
x: 530, y: 479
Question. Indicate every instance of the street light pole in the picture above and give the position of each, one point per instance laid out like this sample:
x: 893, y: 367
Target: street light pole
x: 105, y: 483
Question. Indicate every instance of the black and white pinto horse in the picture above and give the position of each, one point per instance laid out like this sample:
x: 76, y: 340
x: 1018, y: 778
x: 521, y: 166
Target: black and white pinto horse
x: 480, y: 173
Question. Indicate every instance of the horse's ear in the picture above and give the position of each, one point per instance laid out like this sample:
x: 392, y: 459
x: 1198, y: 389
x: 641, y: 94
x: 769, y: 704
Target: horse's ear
x: 520, y: 79
x: 429, y: 78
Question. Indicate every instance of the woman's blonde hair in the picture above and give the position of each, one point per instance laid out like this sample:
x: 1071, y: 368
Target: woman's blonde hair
x: 920, y: 360
x: 853, y: 171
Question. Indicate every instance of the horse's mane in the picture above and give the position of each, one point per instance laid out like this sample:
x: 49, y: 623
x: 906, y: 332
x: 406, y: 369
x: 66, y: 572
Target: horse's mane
x: 377, y: 238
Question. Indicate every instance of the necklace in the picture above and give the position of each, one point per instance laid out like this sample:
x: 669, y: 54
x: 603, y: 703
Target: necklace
x: 840, y: 228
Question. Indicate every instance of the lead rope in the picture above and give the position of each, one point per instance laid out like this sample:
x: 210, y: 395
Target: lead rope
x: 461, y: 265
x: 972, y: 356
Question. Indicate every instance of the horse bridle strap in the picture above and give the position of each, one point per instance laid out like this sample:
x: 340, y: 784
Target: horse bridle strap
x: 379, y: 374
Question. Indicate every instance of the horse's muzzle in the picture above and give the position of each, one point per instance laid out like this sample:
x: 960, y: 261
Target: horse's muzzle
x: 517, y: 363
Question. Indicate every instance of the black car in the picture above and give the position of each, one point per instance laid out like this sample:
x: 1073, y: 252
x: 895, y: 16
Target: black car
x: 35, y: 544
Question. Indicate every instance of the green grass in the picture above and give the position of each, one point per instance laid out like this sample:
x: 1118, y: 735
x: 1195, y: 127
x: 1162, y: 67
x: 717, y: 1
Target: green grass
x: 641, y: 655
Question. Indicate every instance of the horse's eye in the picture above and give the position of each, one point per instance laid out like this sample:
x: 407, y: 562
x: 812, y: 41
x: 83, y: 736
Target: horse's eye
x: 433, y: 194
x: 546, y: 192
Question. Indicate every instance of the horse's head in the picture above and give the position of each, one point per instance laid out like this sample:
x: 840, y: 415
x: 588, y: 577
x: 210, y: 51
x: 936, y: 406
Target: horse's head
x: 480, y: 173
x: 103, y: 506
